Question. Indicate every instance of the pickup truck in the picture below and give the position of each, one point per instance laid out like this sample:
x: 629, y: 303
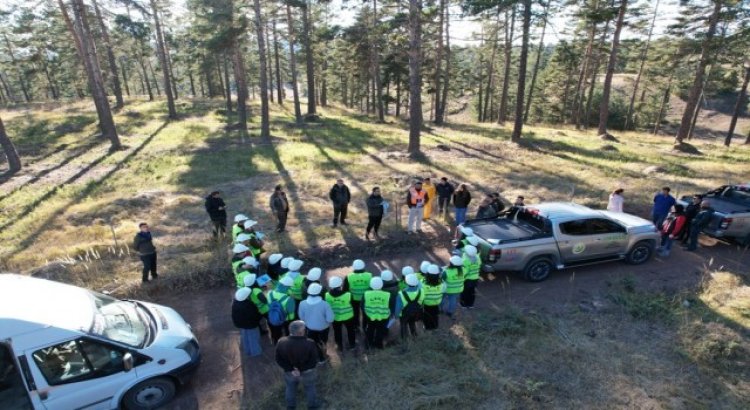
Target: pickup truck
x: 536, y: 240
x: 731, y: 204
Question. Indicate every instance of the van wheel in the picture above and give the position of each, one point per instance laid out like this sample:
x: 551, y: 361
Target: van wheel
x: 640, y: 253
x: 150, y: 394
x: 538, y: 269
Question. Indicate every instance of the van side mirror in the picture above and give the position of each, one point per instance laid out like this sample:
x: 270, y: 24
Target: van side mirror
x: 127, y: 361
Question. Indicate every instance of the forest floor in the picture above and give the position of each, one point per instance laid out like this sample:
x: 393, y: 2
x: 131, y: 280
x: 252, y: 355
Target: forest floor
x: 72, y: 212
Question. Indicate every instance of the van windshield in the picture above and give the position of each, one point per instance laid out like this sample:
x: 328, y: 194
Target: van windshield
x: 119, y: 320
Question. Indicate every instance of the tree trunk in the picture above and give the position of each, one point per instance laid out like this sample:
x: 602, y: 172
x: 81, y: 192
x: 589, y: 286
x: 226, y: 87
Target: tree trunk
x: 378, y: 85
x: 324, y: 85
x: 192, y: 82
x: 439, y: 63
x: 664, y: 102
x: 398, y: 96
x: 146, y: 80
x: 535, y: 71
x: 697, y: 87
x: 13, y: 61
x: 279, y: 84
x: 738, y: 107
x: 125, y: 78
x: 14, y: 161
x: 293, y: 64
x: 577, y: 96
x: 415, y: 75
x: 265, y: 130
x: 490, y: 71
x: 584, y: 117
x: 8, y: 90
x: 607, y: 87
x: 220, y: 76
x: 701, y: 101
x: 94, y: 73
x: 501, y: 115
x: 307, y: 43
x: 153, y: 77
x: 518, y: 123
x: 269, y: 62
x: 240, y: 78
x: 644, y: 57
x: 162, y: 54
x: 119, y: 103
x: 171, y: 71
x: 228, y: 94
x: 447, y: 75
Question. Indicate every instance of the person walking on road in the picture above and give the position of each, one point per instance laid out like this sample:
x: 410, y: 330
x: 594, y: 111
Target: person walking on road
x: 343, y: 313
x: 700, y: 222
x: 471, y: 266
x: 416, y: 199
x: 378, y: 307
x: 357, y: 283
x: 616, y: 201
x: 663, y: 203
x: 431, y: 197
x: 444, y: 192
x: 246, y: 317
x: 280, y: 207
x: 340, y: 197
x: 410, y: 306
x: 318, y: 316
x: 434, y: 288
x: 144, y: 245
x: 375, y: 211
x: 297, y: 355
x: 461, y: 200
x: 671, y: 229
x: 217, y: 211
x: 453, y: 275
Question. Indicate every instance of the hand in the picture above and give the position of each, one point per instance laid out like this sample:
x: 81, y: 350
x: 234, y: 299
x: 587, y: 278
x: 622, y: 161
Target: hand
x: 671, y: 236
x: 295, y: 373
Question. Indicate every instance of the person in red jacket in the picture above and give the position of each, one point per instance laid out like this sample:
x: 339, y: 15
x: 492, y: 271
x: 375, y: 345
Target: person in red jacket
x: 671, y: 229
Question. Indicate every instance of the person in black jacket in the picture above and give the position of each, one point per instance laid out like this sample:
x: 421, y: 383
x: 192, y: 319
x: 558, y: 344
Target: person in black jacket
x: 700, y: 222
x: 280, y: 207
x: 144, y: 245
x: 217, y: 211
x: 445, y: 192
x: 298, y: 357
x: 690, y: 212
x: 246, y: 317
x: 461, y: 200
x: 374, y: 213
x: 340, y: 197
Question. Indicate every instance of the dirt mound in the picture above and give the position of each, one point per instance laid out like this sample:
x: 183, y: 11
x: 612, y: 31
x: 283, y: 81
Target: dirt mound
x: 608, y: 137
x: 686, y: 148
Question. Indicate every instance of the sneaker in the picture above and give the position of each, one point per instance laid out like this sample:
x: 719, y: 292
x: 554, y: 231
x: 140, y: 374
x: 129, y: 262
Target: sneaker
x: 419, y: 230
x: 344, y: 223
x: 154, y: 276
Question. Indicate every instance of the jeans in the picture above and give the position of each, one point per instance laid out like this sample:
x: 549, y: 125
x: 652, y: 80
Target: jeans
x: 460, y: 215
x: 449, y: 303
x: 443, y: 203
x: 281, y: 218
x: 658, y: 219
x: 415, y: 219
x: 339, y: 214
x: 693, y: 238
x: 338, y: 334
x: 666, y: 245
x: 149, y: 265
x: 469, y: 293
x: 308, y: 378
x: 220, y: 227
x: 376, y: 332
x: 373, y: 222
x: 251, y: 341
x: 320, y: 337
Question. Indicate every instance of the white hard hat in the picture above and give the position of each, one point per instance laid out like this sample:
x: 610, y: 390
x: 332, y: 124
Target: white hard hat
x: 314, y: 274
x: 240, y: 218
x: 242, y: 238
x: 249, y: 260
x: 286, y: 281
x: 275, y: 258
x: 407, y: 270
x: 386, y: 275
x: 433, y: 269
x: 456, y: 260
x: 242, y: 294
x: 249, y: 279
x: 249, y: 223
x: 412, y: 280
x: 239, y: 248
x: 314, y: 289
x: 335, y: 282
x: 285, y: 262
x: 467, y: 231
x: 376, y: 283
x: 423, y: 267
x: 470, y: 250
x: 295, y: 265
x: 473, y: 240
x: 358, y: 264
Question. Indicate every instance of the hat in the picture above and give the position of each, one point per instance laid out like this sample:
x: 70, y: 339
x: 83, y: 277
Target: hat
x: 376, y: 283
x: 285, y: 262
x: 249, y: 280
x: 467, y: 231
x: 242, y: 238
x: 423, y: 267
x: 295, y: 265
x: 242, y: 294
x: 473, y: 240
x: 335, y: 282
x: 314, y: 274
x: 240, y: 218
x: 407, y: 270
x: 433, y: 270
x: 286, y: 281
x: 249, y: 260
x: 275, y: 258
x: 412, y: 280
x: 386, y: 275
x: 358, y: 264
x: 314, y: 289
x: 470, y: 250
x: 456, y: 260
x: 239, y: 248
x: 249, y: 223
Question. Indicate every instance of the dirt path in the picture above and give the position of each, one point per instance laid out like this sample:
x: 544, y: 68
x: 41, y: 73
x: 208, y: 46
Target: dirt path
x: 224, y: 376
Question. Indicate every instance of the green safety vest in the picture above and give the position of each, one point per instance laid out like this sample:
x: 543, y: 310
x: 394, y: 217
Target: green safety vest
x: 471, y: 269
x: 235, y: 266
x: 358, y: 284
x: 433, y: 294
x: 254, y: 296
x: 453, y: 281
x: 412, y: 297
x: 255, y: 251
x: 296, y: 290
x: 282, y: 298
x: 341, y: 306
x: 377, y: 304
x: 240, y: 278
x: 236, y: 230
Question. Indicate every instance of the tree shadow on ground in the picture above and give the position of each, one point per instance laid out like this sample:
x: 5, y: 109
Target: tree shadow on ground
x: 35, y: 137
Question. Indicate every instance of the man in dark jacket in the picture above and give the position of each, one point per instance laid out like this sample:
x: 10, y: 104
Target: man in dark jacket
x: 445, y: 192
x: 690, y: 212
x: 699, y: 223
x: 340, y: 198
x: 374, y: 213
x: 246, y: 317
x: 144, y: 245
x: 217, y: 211
x: 461, y: 200
x: 279, y: 207
x: 298, y: 356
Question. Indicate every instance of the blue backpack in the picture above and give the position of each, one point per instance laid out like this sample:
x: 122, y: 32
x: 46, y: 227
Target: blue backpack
x: 276, y: 312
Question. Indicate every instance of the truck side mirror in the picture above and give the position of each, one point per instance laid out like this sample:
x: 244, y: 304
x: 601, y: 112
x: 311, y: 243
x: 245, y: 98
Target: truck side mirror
x: 127, y: 361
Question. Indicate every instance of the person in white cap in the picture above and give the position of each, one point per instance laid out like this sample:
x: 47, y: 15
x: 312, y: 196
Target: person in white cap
x: 257, y: 295
x: 313, y: 276
x: 423, y: 268
x: 239, y: 252
x: 390, y: 283
x: 246, y: 317
x: 378, y: 307
x: 239, y: 225
x: 275, y: 269
x: 247, y: 266
x: 357, y: 283
x: 318, y: 316
x: 453, y: 275
x: 285, y: 264
x: 255, y: 243
x: 409, y: 305
x: 343, y: 312
x: 434, y: 288
x: 472, y: 265
x: 217, y: 211
x: 242, y: 238
x: 280, y: 309
x: 464, y: 233
x: 298, y: 279
x: 406, y: 271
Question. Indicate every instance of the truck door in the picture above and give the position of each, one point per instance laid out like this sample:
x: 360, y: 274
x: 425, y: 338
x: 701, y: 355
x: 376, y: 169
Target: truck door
x: 608, y: 238
x: 13, y: 392
x: 574, y: 241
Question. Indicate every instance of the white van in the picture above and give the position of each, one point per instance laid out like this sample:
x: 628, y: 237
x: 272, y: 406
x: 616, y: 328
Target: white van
x: 64, y: 347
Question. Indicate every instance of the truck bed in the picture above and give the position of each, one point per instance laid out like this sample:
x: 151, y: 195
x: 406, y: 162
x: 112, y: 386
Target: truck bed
x: 728, y: 207
x: 501, y: 230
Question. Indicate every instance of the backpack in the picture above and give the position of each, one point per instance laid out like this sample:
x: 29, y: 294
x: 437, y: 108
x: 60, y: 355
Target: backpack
x: 276, y: 312
x: 412, y: 310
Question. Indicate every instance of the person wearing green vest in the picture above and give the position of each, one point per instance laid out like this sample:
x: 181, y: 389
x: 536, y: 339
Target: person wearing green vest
x: 377, y: 305
x: 390, y: 284
x: 472, y: 266
x: 462, y: 241
x: 295, y: 290
x: 247, y: 266
x: 313, y: 276
x: 343, y: 313
x: 239, y: 252
x: 256, y: 294
x: 409, y: 305
x: 453, y: 275
x: 238, y: 227
x: 357, y: 283
x: 287, y: 306
x: 254, y: 243
x: 434, y: 288
x: 274, y: 269
x: 406, y: 271
x: 242, y: 238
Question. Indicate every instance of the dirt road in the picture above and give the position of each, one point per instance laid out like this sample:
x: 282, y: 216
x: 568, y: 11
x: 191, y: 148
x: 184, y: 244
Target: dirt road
x: 225, y: 377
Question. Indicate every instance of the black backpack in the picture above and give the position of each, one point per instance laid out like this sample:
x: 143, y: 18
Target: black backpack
x: 412, y: 310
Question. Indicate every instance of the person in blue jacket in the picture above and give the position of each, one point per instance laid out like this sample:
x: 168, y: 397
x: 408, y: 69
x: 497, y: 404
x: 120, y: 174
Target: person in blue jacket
x: 663, y: 203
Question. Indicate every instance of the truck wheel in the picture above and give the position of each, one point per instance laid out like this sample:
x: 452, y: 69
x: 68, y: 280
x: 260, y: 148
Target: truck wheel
x: 538, y: 269
x: 150, y: 394
x: 640, y: 253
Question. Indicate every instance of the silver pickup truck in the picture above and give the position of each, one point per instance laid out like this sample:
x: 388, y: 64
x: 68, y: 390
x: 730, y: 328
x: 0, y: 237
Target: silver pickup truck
x: 536, y: 240
x: 731, y: 204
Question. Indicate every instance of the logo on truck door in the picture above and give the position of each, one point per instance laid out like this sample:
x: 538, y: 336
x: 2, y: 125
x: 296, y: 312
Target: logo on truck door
x: 579, y: 248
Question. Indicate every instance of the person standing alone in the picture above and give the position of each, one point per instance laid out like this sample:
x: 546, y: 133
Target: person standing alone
x: 375, y: 212
x: 279, y: 207
x: 340, y: 196
x: 445, y: 192
x: 416, y: 199
x: 144, y: 245
x: 616, y: 201
x: 217, y: 211
x: 298, y: 357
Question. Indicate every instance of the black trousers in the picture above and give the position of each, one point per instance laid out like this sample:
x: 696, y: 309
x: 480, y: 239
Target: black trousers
x: 278, y: 331
x: 320, y: 337
x: 149, y: 265
x: 281, y: 217
x: 376, y: 332
x: 338, y: 334
x: 357, y: 306
x: 339, y: 213
x: 431, y: 317
x: 220, y: 227
x: 443, y: 203
x: 373, y: 222
x: 469, y: 294
x: 408, y: 326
